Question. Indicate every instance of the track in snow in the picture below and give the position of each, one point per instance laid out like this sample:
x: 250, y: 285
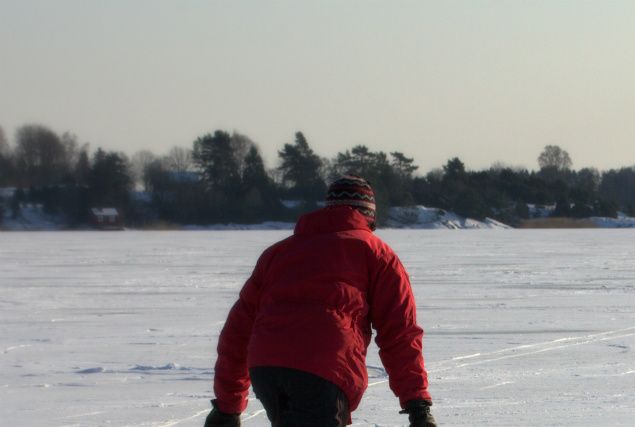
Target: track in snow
x: 525, y: 350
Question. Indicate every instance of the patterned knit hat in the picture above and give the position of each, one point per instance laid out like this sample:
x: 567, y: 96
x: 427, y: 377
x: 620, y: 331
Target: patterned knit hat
x: 355, y: 191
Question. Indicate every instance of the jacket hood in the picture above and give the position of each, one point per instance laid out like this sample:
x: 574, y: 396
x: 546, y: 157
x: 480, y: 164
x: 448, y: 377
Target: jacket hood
x: 332, y: 219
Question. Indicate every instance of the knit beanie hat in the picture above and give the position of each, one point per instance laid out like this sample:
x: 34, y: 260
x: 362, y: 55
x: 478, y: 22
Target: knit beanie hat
x: 354, y: 191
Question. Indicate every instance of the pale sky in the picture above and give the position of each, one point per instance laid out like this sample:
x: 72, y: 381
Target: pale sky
x: 482, y: 80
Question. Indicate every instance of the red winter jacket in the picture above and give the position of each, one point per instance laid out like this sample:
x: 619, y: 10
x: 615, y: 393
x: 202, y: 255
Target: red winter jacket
x: 310, y: 304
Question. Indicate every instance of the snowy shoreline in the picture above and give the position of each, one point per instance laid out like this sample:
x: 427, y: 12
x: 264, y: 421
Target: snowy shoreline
x: 410, y: 218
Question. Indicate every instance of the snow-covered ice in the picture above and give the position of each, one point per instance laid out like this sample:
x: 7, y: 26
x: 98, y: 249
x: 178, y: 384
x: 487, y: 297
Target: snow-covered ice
x: 523, y: 327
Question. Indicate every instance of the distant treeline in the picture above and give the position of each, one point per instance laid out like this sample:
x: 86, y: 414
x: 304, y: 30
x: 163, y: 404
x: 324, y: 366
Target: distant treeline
x: 223, y: 178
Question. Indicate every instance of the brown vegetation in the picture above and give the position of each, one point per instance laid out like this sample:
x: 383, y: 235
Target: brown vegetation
x: 557, y: 222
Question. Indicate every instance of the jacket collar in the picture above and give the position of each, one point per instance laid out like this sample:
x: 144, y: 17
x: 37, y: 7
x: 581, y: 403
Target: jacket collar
x: 330, y: 220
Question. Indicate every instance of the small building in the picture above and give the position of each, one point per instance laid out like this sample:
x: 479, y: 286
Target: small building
x: 106, y: 218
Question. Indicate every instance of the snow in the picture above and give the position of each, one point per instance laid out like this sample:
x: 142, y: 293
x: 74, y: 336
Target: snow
x: 523, y: 327
x: 7, y: 192
x: 104, y: 211
x: 291, y: 204
x: 267, y: 225
x: 622, y: 221
x: 540, y: 211
x: 31, y: 217
x: 422, y: 217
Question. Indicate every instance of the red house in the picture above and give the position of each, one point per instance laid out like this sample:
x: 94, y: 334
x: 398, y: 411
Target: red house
x: 106, y: 218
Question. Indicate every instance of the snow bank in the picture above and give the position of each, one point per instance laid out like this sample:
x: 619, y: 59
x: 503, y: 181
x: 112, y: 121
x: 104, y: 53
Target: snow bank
x: 32, y: 217
x: 420, y: 217
x: 7, y: 192
x: 540, y: 211
x: 167, y: 367
x: 622, y: 221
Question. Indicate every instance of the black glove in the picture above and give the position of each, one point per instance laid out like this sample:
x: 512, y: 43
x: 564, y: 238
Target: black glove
x: 419, y: 413
x: 217, y: 418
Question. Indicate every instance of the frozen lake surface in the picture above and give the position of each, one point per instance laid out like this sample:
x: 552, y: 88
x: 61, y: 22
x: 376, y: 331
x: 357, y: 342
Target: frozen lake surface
x: 523, y: 328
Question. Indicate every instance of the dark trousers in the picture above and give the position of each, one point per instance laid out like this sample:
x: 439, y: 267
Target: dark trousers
x: 295, y: 398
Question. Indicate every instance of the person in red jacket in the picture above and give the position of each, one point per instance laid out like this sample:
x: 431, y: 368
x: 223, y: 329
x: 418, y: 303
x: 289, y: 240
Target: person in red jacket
x: 300, y: 329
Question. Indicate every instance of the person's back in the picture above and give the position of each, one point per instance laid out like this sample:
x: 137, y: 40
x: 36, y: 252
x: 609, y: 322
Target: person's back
x: 308, y: 309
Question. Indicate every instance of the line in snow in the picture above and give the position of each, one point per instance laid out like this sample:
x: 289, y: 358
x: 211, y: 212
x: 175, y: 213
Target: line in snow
x: 175, y: 422
x: 254, y: 415
x: 469, y: 356
x: 544, y: 343
x: 198, y: 414
x: 497, y: 385
x: 543, y: 350
x: 621, y: 374
x: 570, y: 342
x: 84, y: 415
x: 15, y: 347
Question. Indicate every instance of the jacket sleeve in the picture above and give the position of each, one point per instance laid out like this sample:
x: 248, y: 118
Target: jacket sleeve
x: 231, y: 375
x: 399, y: 338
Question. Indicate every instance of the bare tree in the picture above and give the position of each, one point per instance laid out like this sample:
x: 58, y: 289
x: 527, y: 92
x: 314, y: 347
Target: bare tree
x: 555, y: 158
x: 6, y: 164
x: 4, y: 144
x: 179, y: 159
x: 498, y: 166
x: 435, y: 175
x: 139, y: 163
x: 82, y: 166
x: 40, y: 156
x: 240, y: 145
x: 71, y: 150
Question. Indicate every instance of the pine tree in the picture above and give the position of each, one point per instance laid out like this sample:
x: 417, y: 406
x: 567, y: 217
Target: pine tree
x: 300, y: 168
